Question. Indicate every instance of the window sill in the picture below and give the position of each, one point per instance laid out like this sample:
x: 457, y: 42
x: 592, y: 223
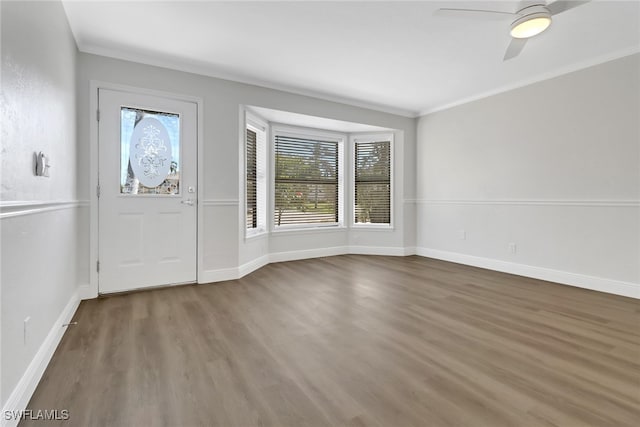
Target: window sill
x: 309, y: 230
x: 373, y: 227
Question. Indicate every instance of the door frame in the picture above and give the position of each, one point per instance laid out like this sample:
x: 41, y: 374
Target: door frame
x: 94, y: 87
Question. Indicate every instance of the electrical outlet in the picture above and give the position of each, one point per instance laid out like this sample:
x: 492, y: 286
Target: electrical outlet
x: 26, y: 327
x: 462, y: 235
x: 512, y: 248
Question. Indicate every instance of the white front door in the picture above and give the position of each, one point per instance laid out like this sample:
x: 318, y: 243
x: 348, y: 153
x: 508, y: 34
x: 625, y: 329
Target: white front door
x: 147, y: 201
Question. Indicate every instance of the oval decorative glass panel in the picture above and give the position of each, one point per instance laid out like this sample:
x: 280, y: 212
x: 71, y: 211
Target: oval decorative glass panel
x: 150, y: 152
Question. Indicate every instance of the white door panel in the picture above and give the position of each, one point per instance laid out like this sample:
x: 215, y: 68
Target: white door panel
x: 148, y: 199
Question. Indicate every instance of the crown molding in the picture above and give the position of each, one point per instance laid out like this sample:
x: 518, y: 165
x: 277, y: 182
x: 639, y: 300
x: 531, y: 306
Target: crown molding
x: 539, y: 78
x: 218, y: 73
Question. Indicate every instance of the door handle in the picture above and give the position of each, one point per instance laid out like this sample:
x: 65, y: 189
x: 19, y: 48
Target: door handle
x: 187, y: 202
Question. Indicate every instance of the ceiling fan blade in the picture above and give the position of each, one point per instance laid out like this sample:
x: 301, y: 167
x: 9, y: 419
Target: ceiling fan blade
x: 514, y: 48
x: 473, y: 14
x: 560, y: 6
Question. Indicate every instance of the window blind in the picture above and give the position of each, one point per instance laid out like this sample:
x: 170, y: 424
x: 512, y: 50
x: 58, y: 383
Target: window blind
x: 372, y: 182
x: 251, y: 180
x: 306, y: 181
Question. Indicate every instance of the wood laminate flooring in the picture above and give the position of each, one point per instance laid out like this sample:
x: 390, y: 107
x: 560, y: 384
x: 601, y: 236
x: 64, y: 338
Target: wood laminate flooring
x: 351, y: 341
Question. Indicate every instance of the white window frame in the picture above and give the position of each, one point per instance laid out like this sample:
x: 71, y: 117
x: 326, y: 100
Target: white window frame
x: 295, y: 131
x: 261, y: 128
x: 363, y: 138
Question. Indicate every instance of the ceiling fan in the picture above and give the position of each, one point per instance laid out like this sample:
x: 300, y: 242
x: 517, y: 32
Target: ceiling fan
x: 531, y: 19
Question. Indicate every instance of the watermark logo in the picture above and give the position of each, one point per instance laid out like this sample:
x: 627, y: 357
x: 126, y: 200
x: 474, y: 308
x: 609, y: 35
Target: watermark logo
x: 37, y: 415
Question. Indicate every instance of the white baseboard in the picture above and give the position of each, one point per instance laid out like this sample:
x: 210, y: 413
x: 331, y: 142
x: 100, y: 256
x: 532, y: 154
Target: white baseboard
x: 219, y: 275
x: 252, y: 266
x: 410, y: 250
x: 23, y: 391
x: 601, y: 284
x: 611, y: 286
x: 85, y: 292
x: 233, y: 273
x: 377, y: 250
x: 308, y: 253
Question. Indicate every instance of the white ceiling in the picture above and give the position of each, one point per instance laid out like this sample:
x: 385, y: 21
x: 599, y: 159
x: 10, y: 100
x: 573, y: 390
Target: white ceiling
x: 393, y: 56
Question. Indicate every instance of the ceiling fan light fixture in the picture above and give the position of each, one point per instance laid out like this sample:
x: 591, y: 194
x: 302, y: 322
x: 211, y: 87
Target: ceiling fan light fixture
x: 530, y: 25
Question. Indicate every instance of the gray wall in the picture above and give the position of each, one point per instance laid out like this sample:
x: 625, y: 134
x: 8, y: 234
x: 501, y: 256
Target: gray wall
x: 224, y: 246
x: 38, y: 256
x: 552, y: 167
